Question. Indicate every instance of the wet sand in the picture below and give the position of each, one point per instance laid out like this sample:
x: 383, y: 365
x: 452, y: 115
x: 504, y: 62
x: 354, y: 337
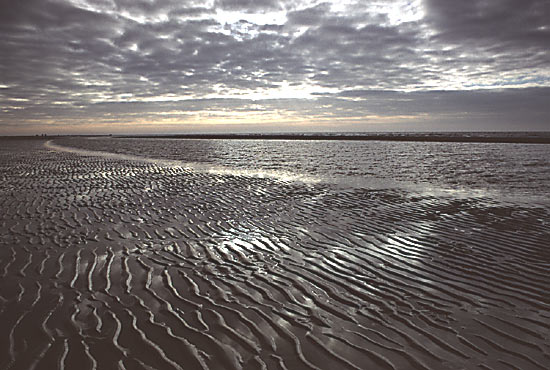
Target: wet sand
x: 112, y: 263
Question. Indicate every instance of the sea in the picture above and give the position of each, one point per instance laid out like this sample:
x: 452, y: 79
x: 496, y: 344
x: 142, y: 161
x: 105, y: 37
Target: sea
x: 507, y: 171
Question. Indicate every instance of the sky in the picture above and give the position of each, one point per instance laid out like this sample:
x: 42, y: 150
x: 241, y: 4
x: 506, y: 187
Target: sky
x: 177, y: 66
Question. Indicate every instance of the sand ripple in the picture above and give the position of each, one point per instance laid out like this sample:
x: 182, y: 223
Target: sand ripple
x: 115, y: 263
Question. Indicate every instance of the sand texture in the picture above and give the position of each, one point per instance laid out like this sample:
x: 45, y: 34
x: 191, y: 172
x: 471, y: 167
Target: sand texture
x: 110, y: 263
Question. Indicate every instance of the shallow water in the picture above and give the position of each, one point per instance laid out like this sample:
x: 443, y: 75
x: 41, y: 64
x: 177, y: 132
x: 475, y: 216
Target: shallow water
x: 517, y: 171
x: 152, y: 260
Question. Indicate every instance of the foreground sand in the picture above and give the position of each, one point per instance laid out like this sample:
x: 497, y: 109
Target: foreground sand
x: 108, y: 263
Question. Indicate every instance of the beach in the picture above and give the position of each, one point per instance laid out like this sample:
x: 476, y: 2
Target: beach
x: 125, y: 260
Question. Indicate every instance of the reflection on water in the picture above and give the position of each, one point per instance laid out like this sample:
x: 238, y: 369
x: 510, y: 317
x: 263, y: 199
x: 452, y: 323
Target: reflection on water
x: 471, y: 169
x: 184, y: 163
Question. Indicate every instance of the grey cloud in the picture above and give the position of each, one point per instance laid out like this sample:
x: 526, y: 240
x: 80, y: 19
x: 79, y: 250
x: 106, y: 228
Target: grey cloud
x: 433, y: 110
x: 511, y: 23
x: 309, y: 16
x: 155, y: 7
x: 58, y: 59
x: 271, y: 28
x: 190, y: 11
x: 248, y: 5
x: 346, y: 54
x: 492, y: 101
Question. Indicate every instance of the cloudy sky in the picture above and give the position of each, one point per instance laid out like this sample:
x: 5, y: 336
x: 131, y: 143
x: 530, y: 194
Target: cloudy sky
x: 146, y: 66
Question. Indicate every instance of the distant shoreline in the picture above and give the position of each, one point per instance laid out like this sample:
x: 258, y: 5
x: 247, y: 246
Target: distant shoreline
x: 371, y: 137
x: 454, y: 137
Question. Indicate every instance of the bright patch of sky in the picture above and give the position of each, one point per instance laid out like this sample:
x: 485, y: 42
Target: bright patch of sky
x: 263, y: 18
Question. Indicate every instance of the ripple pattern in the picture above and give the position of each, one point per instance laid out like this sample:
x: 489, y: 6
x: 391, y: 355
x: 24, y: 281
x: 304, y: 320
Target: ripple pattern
x: 116, y: 263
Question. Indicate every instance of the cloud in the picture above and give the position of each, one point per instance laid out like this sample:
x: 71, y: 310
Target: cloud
x: 309, y: 16
x: 248, y: 5
x: 71, y: 60
x: 497, y: 102
x: 517, y: 24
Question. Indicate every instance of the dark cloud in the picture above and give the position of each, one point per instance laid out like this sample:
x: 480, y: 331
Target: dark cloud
x: 499, y: 102
x: 60, y: 60
x: 500, y: 23
x: 248, y: 5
